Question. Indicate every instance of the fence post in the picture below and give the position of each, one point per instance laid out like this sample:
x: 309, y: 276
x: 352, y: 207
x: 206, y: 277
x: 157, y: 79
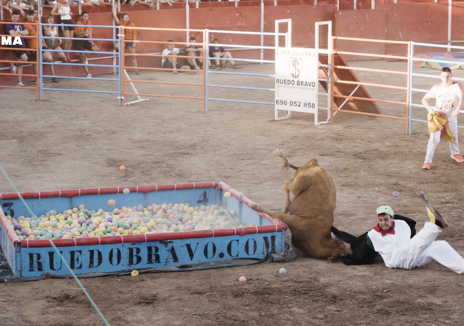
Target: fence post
x: 121, y: 63
x: 408, y: 94
x: 450, y: 12
x: 411, y: 84
x: 121, y: 72
x: 187, y: 20
x: 39, y: 68
x: 262, y: 31
x: 206, y: 64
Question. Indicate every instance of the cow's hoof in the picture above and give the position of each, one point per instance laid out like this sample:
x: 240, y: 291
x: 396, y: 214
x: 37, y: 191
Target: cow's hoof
x: 255, y: 207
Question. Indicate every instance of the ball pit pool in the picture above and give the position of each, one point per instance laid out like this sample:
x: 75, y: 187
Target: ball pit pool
x: 80, y: 222
x: 108, y: 230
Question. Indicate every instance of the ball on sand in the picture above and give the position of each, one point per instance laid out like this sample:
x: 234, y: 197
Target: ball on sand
x: 282, y: 271
x: 227, y: 194
x: 126, y: 191
x: 111, y: 202
x: 395, y: 194
x: 122, y: 168
x: 242, y: 279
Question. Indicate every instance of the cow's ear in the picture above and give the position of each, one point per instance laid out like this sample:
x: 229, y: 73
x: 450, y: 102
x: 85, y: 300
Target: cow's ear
x: 314, y: 162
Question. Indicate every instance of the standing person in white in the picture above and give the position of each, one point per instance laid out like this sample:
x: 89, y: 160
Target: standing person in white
x: 392, y: 240
x: 448, y: 96
x: 63, y: 10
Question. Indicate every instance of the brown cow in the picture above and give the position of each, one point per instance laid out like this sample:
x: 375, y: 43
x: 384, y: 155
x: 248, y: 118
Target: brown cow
x: 311, y: 213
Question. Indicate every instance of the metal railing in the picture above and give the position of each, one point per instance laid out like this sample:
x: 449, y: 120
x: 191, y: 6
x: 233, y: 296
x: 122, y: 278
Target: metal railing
x: 36, y: 63
x: 362, y: 84
x: 71, y: 64
x: 413, y: 74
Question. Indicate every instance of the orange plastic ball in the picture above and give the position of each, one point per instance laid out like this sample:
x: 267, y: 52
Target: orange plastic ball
x: 111, y: 202
x: 122, y: 168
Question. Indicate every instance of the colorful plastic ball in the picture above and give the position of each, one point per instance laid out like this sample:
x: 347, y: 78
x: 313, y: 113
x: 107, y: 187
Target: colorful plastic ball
x: 282, y: 271
x: 127, y: 191
x: 111, y: 202
x: 242, y: 279
x: 240, y: 194
x: 122, y: 168
x: 395, y: 194
x: 227, y: 194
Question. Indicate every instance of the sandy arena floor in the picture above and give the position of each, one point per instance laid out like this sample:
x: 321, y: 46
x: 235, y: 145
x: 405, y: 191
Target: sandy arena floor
x: 74, y: 141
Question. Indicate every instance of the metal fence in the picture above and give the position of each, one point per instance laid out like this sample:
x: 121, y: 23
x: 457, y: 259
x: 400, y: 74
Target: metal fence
x: 448, y: 62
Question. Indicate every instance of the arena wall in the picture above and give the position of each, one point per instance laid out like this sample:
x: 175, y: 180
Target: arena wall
x: 421, y: 21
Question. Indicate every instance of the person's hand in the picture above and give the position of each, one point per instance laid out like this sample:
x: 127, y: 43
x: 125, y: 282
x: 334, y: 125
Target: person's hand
x: 87, y: 33
x: 70, y: 13
x: 455, y: 113
x: 22, y: 12
x: 60, y: 41
x: 132, y: 3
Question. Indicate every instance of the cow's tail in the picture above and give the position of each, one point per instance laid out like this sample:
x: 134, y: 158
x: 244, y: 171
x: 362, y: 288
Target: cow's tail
x: 286, y: 163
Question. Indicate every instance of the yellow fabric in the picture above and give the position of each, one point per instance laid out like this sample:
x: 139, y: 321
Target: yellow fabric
x: 436, y: 123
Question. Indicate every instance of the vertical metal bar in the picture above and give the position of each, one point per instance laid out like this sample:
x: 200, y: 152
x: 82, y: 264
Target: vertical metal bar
x: 372, y: 4
x: 122, y: 63
x: 197, y: 4
x: 411, y: 84
x: 157, y: 5
x: 262, y: 31
x: 338, y: 4
x: 121, y: 71
x: 236, y: 3
x: 39, y: 12
x: 206, y: 64
x: 329, y: 63
x: 39, y: 63
x: 408, y: 94
x: 276, y: 36
x: 354, y: 4
x: 114, y: 37
x: 315, y: 2
x: 289, y: 24
x: 275, y: 3
x: 187, y: 20
x: 331, y: 54
x: 450, y: 12
x: 80, y: 8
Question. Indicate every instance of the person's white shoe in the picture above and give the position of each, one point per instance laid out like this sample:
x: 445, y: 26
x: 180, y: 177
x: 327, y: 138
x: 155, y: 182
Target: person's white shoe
x: 20, y: 84
x: 14, y: 68
x: 89, y: 76
x: 197, y: 68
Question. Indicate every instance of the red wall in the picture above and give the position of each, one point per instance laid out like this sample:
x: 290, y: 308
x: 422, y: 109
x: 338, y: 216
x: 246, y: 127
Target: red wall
x: 419, y: 20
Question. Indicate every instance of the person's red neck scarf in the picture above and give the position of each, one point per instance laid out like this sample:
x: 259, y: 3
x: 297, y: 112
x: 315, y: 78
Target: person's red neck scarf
x: 62, y: 2
x: 86, y: 23
x: 383, y: 232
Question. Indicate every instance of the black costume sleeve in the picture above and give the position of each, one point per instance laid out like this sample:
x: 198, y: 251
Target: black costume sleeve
x: 362, y: 254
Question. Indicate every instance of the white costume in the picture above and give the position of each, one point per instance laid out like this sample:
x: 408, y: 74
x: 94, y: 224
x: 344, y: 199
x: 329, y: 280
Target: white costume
x: 446, y: 101
x: 398, y: 250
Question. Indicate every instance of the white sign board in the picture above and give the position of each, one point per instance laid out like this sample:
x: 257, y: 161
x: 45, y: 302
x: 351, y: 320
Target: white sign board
x: 296, y: 80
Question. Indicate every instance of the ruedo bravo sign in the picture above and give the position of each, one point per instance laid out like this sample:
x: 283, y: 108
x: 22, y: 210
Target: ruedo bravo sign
x: 296, y: 80
x: 158, y: 254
